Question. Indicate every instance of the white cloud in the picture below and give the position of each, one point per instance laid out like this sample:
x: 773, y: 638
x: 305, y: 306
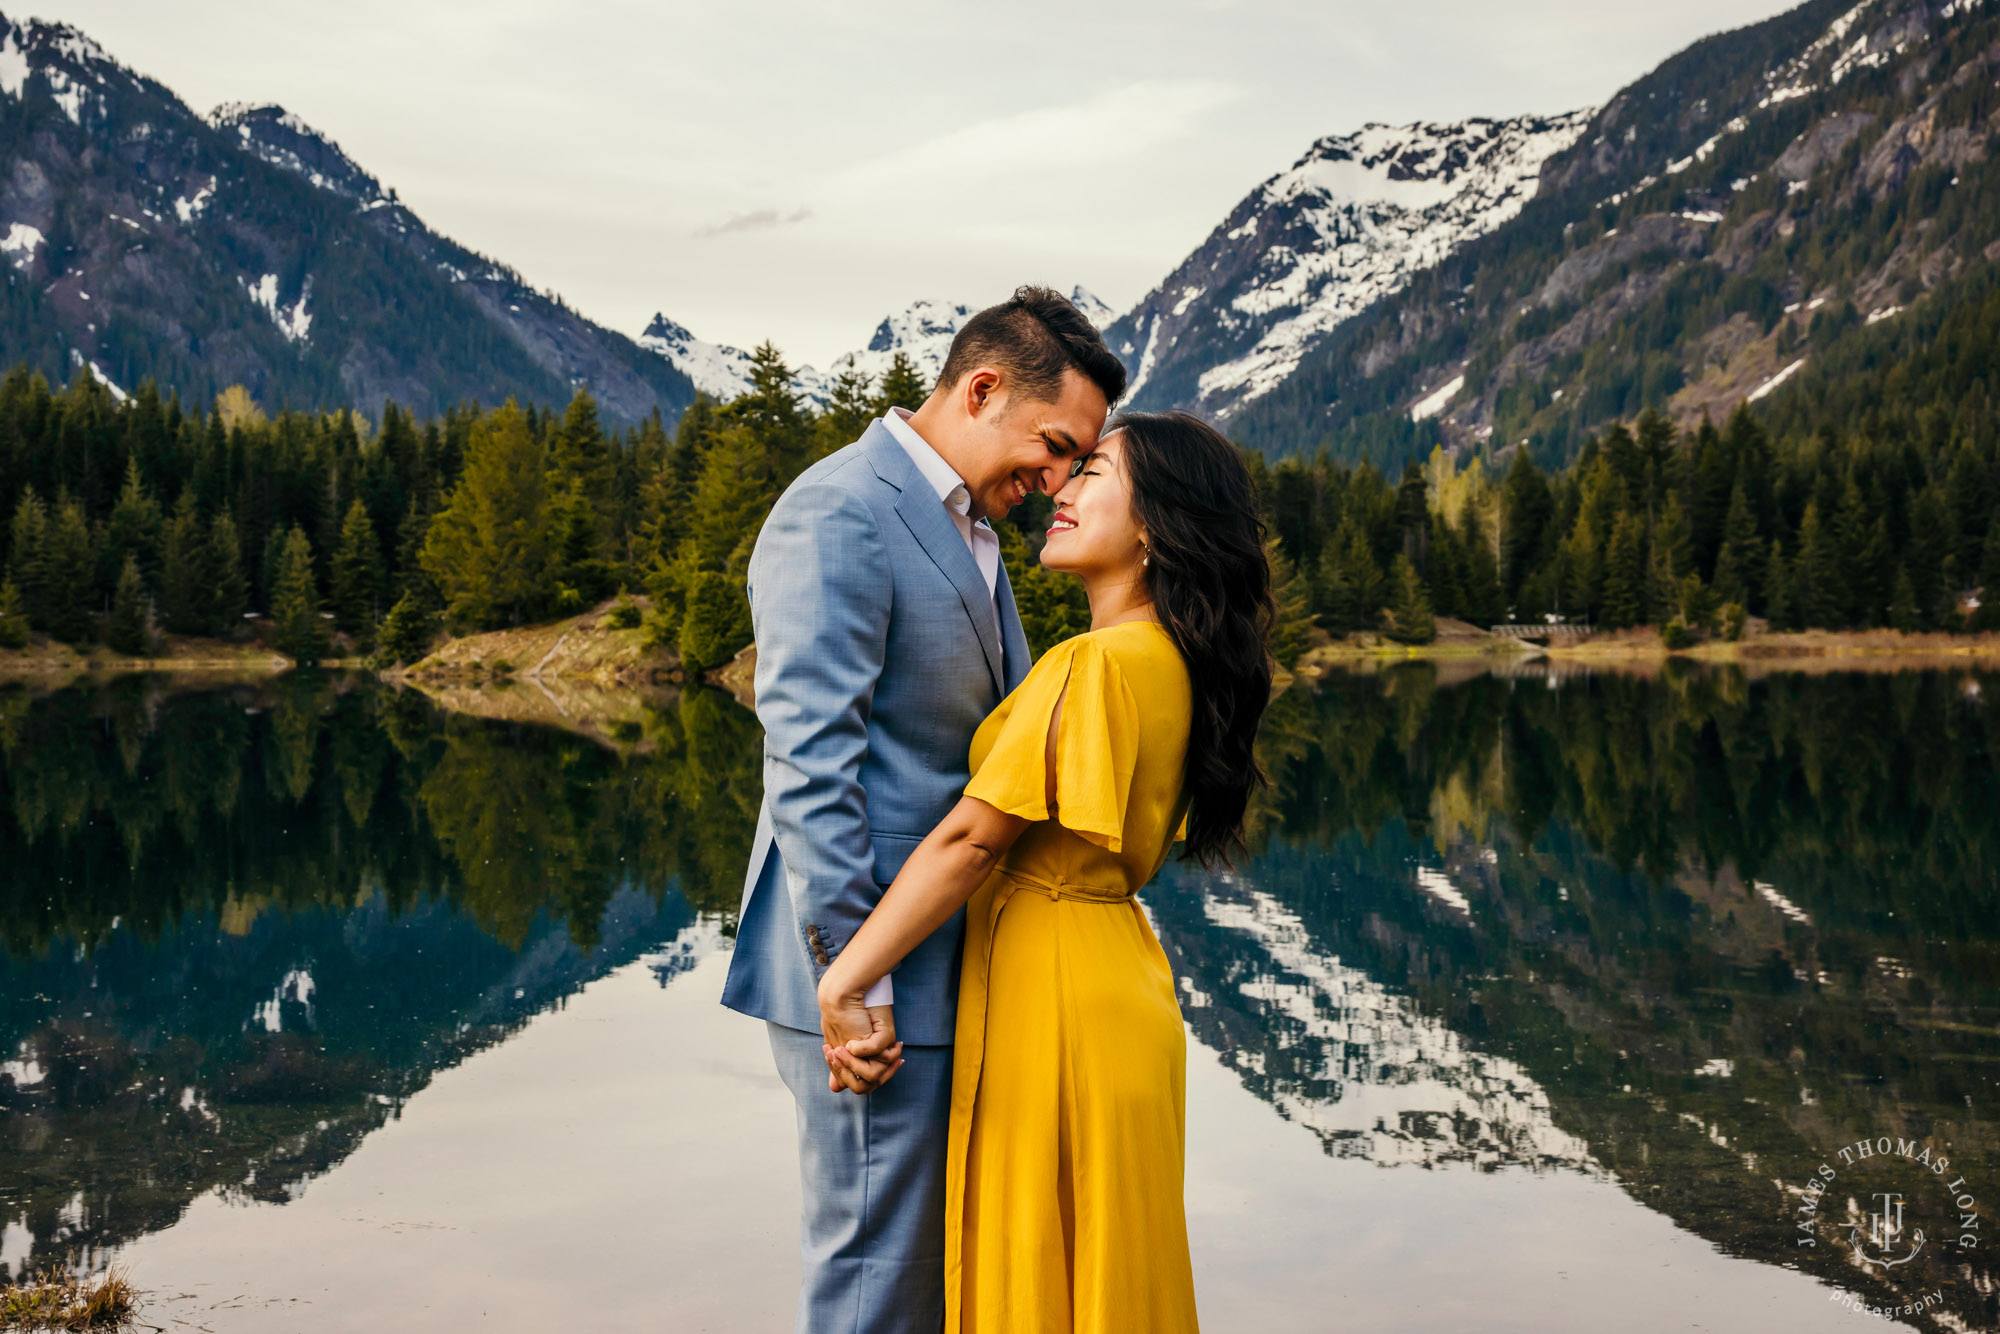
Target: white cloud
x: 1118, y: 122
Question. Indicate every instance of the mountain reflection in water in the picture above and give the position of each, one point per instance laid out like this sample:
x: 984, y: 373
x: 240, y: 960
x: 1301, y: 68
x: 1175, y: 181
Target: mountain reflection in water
x: 1686, y: 934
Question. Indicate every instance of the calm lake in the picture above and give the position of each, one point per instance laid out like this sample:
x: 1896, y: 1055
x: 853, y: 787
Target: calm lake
x: 1538, y: 1004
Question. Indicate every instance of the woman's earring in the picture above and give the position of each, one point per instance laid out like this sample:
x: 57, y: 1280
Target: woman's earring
x: 1145, y: 556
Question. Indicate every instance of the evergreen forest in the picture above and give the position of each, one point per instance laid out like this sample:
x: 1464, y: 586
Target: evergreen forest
x: 131, y: 522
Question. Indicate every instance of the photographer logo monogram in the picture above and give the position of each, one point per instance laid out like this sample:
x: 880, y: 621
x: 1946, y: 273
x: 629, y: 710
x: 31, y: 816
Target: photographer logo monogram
x: 1897, y: 1207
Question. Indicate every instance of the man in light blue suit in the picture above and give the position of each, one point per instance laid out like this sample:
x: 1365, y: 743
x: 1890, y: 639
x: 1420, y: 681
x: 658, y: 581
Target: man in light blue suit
x: 886, y: 631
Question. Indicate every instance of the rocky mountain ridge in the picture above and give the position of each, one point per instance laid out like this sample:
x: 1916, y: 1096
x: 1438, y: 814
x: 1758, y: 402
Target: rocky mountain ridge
x: 245, y: 247
x: 1746, y: 212
x: 1346, y: 226
x: 921, y: 331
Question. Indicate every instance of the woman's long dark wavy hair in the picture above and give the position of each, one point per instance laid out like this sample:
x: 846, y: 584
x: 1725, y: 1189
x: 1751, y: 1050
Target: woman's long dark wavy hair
x: 1210, y: 580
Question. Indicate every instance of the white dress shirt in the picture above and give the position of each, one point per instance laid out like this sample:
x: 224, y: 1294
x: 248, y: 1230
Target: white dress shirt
x: 980, y: 540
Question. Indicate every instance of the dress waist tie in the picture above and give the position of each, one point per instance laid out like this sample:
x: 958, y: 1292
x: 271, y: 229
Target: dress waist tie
x: 1059, y: 888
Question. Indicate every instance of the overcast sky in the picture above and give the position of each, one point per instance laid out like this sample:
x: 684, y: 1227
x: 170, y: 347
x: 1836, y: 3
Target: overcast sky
x: 796, y: 170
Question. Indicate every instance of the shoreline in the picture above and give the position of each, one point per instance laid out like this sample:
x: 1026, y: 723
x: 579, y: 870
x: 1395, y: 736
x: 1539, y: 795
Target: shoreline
x: 603, y: 657
x: 1643, y: 651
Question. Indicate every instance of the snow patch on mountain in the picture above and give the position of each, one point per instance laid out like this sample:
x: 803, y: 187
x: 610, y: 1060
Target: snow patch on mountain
x: 188, y: 208
x: 20, y: 243
x: 13, y: 63
x: 293, y: 320
x: 1351, y: 222
x: 1093, y: 307
x: 720, y: 371
x: 1431, y: 404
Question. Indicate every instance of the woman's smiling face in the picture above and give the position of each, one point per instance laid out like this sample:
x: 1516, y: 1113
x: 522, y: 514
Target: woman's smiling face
x: 1095, y: 530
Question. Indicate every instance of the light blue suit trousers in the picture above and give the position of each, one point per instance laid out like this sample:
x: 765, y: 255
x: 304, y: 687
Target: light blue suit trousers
x: 872, y: 1168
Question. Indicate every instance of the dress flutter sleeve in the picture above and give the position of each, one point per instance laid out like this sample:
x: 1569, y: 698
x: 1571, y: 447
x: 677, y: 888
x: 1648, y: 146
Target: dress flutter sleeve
x: 1097, y: 745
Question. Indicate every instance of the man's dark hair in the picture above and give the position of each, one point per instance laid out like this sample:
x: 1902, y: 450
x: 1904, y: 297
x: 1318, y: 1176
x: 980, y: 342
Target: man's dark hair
x: 1033, y: 337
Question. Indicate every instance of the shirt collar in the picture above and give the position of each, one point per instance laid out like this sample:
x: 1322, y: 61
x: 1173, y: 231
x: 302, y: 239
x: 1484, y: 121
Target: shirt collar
x: 947, y: 483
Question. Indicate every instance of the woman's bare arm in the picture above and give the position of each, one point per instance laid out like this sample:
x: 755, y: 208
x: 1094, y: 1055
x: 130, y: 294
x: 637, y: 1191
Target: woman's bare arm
x: 951, y: 863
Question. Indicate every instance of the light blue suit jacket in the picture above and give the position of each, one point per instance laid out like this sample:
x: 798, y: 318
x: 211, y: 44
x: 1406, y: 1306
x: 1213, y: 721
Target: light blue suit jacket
x: 876, y: 659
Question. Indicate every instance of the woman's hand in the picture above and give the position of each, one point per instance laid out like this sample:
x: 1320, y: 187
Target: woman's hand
x: 860, y: 1040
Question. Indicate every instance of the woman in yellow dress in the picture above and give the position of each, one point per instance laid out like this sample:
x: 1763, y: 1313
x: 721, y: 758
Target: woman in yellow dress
x: 1068, y: 1117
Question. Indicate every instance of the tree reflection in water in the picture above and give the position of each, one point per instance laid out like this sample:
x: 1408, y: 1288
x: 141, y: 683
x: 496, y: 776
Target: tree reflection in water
x: 1688, y: 932
x: 1696, y: 932
x: 244, y: 925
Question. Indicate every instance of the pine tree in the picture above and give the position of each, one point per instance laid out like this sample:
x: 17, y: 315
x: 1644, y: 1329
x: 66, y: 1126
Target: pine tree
x: 903, y: 386
x: 1780, y: 606
x: 1739, y: 565
x: 1930, y: 559
x: 301, y: 634
x: 717, y: 622
x: 1290, y: 633
x: 134, y: 529
x: 410, y: 575
x: 1361, y: 575
x: 769, y: 410
x: 408, y: 631
x: 71, y: 573
x: 1655, y: 432
x: 1526, y: 508
x: 581, y: 576
x: 1410, y: 619
x: 731, y: 499
x: 185, y: 587
x: 130, y: 631
x: 1413, y: 518
x: 1818, y: 577
x: 1711, y: 497
x: 28, y: 562
x: 1484, y: 604
x: 1583, y: 572
x: 850, y: 407
x: 13, y: 616
x: 1903, y: 613
x: 488, y: 547
x: 1625, y: 574
x: 356, y: 577
x: 229, y: 587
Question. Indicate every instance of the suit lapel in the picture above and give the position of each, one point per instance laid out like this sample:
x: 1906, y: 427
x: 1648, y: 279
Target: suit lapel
x: 924, y: 514
x: 1014, y: 639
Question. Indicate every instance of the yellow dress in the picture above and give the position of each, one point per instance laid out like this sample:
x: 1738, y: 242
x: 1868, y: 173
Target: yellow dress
x: 1068, y: 1108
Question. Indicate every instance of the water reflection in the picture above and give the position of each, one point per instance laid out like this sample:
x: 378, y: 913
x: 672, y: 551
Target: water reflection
x: 1696, y: 932
x: 1684, y: 934
x: 245, y: 926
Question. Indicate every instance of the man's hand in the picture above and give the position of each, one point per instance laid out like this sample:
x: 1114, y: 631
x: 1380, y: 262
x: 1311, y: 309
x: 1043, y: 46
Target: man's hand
x: 860, y: 1041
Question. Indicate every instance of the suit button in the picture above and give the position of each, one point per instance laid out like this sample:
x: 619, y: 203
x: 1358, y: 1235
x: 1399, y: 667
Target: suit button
x: 813, y: 932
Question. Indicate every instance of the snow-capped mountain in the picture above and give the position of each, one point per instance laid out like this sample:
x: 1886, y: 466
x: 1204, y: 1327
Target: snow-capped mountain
x: 1348, y: 224
x: 718, y: 370
x: 922, y: 332
x: 1748, y: 164
x: 142, y: 240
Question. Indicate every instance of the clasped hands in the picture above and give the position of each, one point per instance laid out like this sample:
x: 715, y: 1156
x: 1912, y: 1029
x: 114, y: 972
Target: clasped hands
x: 860, y: 1044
